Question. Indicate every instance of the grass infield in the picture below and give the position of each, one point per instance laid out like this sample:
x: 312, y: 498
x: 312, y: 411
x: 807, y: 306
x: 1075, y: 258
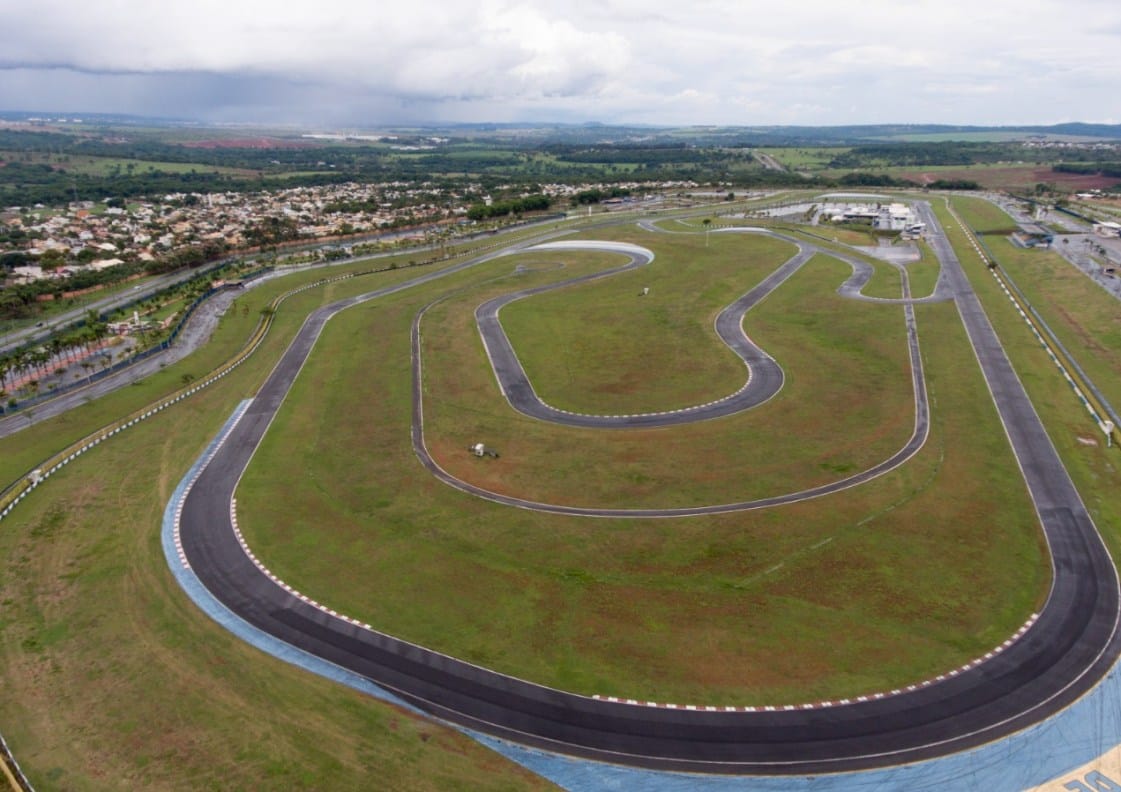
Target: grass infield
x: 812, y: 432
x: 817, y: 600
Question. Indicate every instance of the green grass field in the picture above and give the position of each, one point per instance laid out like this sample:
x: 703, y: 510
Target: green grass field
x: 923, y: 274
x: 742, y: 608
x: 108, y: 166
x: 113, y: 678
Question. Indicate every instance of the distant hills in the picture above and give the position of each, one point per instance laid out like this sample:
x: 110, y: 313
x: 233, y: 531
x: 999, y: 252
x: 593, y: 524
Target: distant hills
x: 747, y: 135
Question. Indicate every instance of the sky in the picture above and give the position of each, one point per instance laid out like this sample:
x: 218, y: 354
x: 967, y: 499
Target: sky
x: 334, y: 64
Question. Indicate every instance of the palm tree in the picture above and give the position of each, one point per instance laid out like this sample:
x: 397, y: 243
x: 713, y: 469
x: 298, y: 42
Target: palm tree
x: 56, y: 346
x: 25, y: 358
x: 40, y: 358
x: 95, y: 326
x: 706, y: 223
x: 72, y: 342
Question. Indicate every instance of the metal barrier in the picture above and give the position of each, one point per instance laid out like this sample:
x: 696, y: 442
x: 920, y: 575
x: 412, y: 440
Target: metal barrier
x: 1055, y: 349
x: 132, y: 360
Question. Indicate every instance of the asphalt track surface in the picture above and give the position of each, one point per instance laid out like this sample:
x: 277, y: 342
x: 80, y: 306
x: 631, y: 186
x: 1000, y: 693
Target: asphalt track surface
x: 1069, y: 647
x: 765, y: 378
x: 764, y: 375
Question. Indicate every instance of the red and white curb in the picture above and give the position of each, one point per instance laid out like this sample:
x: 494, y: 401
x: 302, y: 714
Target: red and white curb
x: 838, y: 702
x: 678, y: 411
x: 268, y: 573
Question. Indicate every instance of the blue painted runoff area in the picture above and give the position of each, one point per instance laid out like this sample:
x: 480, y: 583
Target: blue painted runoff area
x: 202, y: 597
x: 1071, y: 739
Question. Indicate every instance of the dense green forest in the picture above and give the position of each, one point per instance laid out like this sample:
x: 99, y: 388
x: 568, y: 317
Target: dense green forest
x: 935, y: 153
x: 1111, y: 169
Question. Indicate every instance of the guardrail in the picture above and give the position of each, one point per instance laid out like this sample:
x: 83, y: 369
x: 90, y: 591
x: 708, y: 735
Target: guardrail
x: 18, y: 490
x: 96, y: 376
x: 14, y: 493
x: 1084, y: 389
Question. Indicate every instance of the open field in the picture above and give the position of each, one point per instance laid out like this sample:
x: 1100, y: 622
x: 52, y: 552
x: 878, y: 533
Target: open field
x: 983, y: 217
x: 112, y: 677
x: 807, y: 159
x: 109, y: 166
x: 1003, y: 176
x: 738, y: 608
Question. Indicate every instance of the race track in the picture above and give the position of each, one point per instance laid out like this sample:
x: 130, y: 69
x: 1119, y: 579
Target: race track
x: 1065, y: 651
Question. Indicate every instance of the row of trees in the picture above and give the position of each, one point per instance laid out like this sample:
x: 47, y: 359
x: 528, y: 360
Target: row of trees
x: 927, y: 154
x: 531, y: 203
x: 1110, y: 169
x: 23, y: 368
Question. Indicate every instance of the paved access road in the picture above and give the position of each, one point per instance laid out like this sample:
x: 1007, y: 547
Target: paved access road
x: 1067, y: 649
x: 44, y: 330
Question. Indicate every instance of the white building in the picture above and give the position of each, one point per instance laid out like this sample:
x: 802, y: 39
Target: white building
x: 894, y: 217
x: 1107, y: 229
x: 883, y: 217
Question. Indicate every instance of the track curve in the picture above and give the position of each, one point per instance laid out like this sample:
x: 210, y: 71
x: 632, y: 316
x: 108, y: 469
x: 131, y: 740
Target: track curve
x: 1068, y: 648
x: 765, y: 378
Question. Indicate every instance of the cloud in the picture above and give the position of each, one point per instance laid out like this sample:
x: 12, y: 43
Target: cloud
x: 420, y: 49
x: 710, y: 61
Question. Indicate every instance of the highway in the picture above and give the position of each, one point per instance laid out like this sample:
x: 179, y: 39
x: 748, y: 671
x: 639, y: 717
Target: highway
x: 1062, y: 654
x: 47, y: 328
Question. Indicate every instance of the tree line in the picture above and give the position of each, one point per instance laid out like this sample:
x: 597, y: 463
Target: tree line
x: 531, y: 203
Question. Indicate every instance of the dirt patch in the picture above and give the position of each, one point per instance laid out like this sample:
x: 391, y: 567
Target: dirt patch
x: 1001, y: 178
x: 1088, y: 340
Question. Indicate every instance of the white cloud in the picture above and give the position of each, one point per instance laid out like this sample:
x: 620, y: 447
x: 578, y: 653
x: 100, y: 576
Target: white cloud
x: 744, y: 61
